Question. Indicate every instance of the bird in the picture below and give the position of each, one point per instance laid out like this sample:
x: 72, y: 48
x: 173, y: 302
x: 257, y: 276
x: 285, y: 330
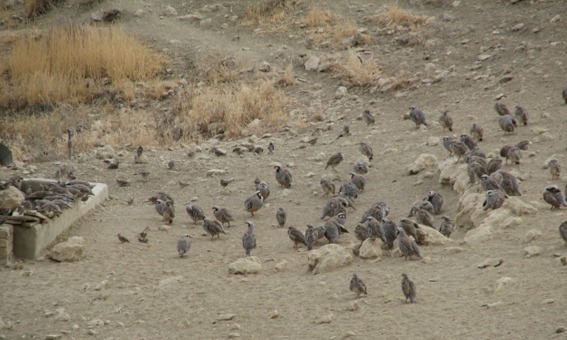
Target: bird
x: 521, y: 115
x: 333, y: 206
x: 249, y: 239
x: 281, y: 217
x: 349, y: 190
x: 511, y: 152
x: 477, y: 131
x: 446, y: 142
x: 489, y: 183
x: 271, y: 148
x: 508, y: 123
x: 366, y: 150
x: 195, y: 212
x: 508, y: 182
x: 447, y: 226
x: 357, y: 286
x: 225, y: 182
x: 331, y: 232
x: 501, y: 108
x: 222, y: 215
x: 358, y: 180
x: 493, y: 165
x: 374, y: 229
x: 408, y: 246
x: 554, y: 168
x: 446, y: 121
x: 422, y: 216
x: 368, y: 118
x: 410, y: 227
x: 264, y: 189
x: 334, y: 160
x: 143, y: 235
x: 360, y: 167
x: 144, y: 173
x: 553, y: 195
x: 361, y: 232
x: 139, y: 151
x: 436, y: 200
x: 563, y: 232
x: 183, y: 245
x: 122, y: 239
x: 258, y: 150
x: 468, y: 141
x: 296, y: 236
x: 327, y: 186
x: 165, y: 209
x: 459, y: 149
x: 171, y: 164
x: 408, y: 288
x: 390, y: 233
x: 494, y: 200
x: 283, y: 176
x: 114, y: 164
x: 417, y: 117
x: 213, y: 228
x: 254, y: 203
x: 564, y: 94
x: 523, y: 145
x: 311, y: 236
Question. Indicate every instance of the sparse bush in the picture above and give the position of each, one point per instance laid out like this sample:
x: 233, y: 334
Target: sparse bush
x: 318, y: 17
x: 356, y: 71
x: 395, y: 16
x: 33, y: 8
x: 271, y: 15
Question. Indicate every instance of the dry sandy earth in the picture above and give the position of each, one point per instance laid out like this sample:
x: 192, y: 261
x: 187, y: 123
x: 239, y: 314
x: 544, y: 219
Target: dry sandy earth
x: 453, y: 293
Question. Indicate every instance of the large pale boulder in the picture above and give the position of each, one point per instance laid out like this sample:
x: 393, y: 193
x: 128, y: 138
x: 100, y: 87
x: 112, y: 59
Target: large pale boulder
x: 245, y: 265
x: 429, y: 236
x: 468, y: 204
x: 370, y: 249
x: 423, y: 162
x: 479, y: 235
x: 11, y: 198
x: 519, y: 207
x: 69, y: 251
x: 462, y: 181
x: 328, y: 258
x: 502, y: 218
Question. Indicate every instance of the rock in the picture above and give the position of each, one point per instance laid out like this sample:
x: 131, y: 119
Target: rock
x: 312, y: 63
x: 563, y: 260
x: 490, y: 262
x: 170, y: 11
x: 169, y: 281
x: 466, y: 207
x: 328, y: 257
x: 215, y: 172
x: 11, y: 198
x: 423, y: 161
x: 353, y: 306
x: 531, y: 251
x: 518, y: 27
x: 560, y: 329
x: 348, y: 334
x: 139, y: 12
x: 502, y: 218
x: 433, y: 141
x: 264, y: 67
x: 504, y: 282
x: 454, y: 250
x: 370, y: 250
x: 104, y: 152
x: 449, y: 171
x: 483, y: 57
x: 429, y: 236
x: 225, y: 317
x: 245, y: 265
x: 327, y: 318
x: 143, y: 159
x: 548, y: 301
x: 461, y: 180
x: 62, y: 315
x: 233, y: 335
x: 532, y: 235
x: 519, y: 207
x: 280, y: 266
x: 478, y: 235
x: 341, y: 92
x: 206, y: 22
x: 273, y: 314
x: 69, y: 251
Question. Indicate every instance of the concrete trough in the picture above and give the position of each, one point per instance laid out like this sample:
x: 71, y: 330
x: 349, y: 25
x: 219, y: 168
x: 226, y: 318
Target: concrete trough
x: 30, y: 241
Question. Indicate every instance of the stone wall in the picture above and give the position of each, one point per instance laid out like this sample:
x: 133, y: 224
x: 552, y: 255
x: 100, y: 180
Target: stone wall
x: 6, y: 243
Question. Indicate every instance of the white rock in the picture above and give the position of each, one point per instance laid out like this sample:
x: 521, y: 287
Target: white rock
x: 423, y: 161
x: 327, y: 318
x: 466, y: 206
x: 502, y: 218
x: 169, y: 281
x: 433, y: 141
x: 531, y: 251
x: 71, y: 250
x: 449, y: 171
x: 139, y: 12
x: 462, y: 180
x: 245, y: 265
x: 341, y: 92
x: 429, y: 236
x: 214, y: 172
x: 280, y: 266
x: 519, y: 207
x: 170, y: 11
x: 62, y: 315
x: 11, y: 198
x: 478, y: 235
x: 370, y: 250
x: 328, y: 258
x: 532, y: 235
x: 312, y: 63
x: 140, y: 160
x: 504, y: 282
x: 490, y: 262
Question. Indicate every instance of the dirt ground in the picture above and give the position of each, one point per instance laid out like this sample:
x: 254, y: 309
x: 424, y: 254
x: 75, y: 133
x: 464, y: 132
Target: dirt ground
x: 145, y: 291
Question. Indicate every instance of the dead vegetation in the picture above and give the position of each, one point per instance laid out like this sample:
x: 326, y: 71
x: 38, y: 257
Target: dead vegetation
x: 357, y: 71
x: 271, y: 15
x: 396, y: 16
x: 34, y: 8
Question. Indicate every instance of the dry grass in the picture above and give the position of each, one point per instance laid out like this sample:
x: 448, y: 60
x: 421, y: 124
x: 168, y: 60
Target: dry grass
x: 356, y: 71
x: 34, y: 8
x: 40, y: 75
x: 271, y: 15
x: 396, y: 16
x: 318, y: 17
x: 287, y: 78
x: 218, y: 69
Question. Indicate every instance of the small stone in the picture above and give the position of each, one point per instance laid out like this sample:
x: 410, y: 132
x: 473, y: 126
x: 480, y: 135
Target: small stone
x: 370, y: 249
x: 555, y: 18
x: 518, y: 27
x: 247, y: 265
x: 484, y: 57
x: 233, y: 335
x: 52, y: 336
x: 215, y: 172
x: 548, y: 301
x: 164, y: 227
x: 563, y: 260
x: 234, y: 327
x: 423, y: 161
x: 341, y: 92
x: 273, y: 314
x: 560, y: 329
x: 312, y: 63
x: 454, y: 250
x: 490, y: 262
x: 280, y: 266
x: 353, y: 306
x: 532, y: 251
x: 139, y: 12
x: 327, y: 318
x: 170, y: 11
x: 433, y: 141
x: 348, y: 334
x: 225, y: 317
x: 92, y: 332
x: 504, y: 282
x: 532, y: 235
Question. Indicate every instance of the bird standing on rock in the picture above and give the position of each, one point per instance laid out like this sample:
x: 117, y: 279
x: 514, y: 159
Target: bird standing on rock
x: 334, y: 160
x: 254, y: 203
x: 553, y: 195
x: 367, y: 117
x: 494, y: 200
x: 446, y: 121
x: 123, y: 239
x: 249, y: 239
x: 281, y: 217
x: 183, y: 245
x: 296, y: 236
x: 361, y: 232
x: 283, y: 176
x: 408, y: 288
x: 222, y: 215
x: 357, y: 286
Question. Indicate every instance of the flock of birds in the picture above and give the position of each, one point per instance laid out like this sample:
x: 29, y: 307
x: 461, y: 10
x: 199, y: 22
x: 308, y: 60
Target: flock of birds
x: 374, y: 223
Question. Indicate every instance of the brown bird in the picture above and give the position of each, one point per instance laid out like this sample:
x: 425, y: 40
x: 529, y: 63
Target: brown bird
x: 446, y: 121
x: 501, y: 108
x: 254, y: 203
x: 143, y: 235
x: 477, y: 131
x: 564, y: 94
x: 522, y: 115
x: 249, y: 239
x: 408, y: 288
x: 357, y: 286
x: 171, y: 165
x: 334, y: 160
x: 459, y: 149
x: 283, y: 176
x: 508, y: 123
x: 122, y: 239
x: 222, y: 215
x: 114, y: 164
x: 213, y: 228
x: 408, y: 246
x: 271, y: 148
x: 366, y: 150
x: 417, y: 117
x: 296, y: 236
x: 447, y: 226
x: 183, y: 245
x: 554, y: 168
x: 494, y: 199
x: 367, y: 117
x: 195, y: 212
x: 361, y: 232
x: 327, y: 186
x: 563, y: 231
x: 468, y: 141
x: 281, y: 217
x: 553, y: 195
x: 493, y: 165
x: 224, y: 183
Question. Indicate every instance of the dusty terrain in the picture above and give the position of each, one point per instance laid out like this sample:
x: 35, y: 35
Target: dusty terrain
x: 118, y: 292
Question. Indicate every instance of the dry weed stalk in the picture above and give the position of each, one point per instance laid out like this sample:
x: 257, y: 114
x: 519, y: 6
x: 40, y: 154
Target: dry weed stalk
x: 396, y: 16
x: 357, y: 71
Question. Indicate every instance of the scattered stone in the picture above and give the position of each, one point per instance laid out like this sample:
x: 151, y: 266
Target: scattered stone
x: 233, y: 335
x: 95, y: 323
x: 348, y: 334
x: 169, y: 281
x: 519, y: 207
x: 555, y: 18
x: 490, y: 262
x: 483, y: 57
x: 104, y: 152
x: 215, y: 172
x: 531, y: 251
x: 164, y: 227
x: 52, y: 336
x: 273, y: 314
x: 532, y: 235
x: 327, y: 318
x: 264, y: 67
x: 479, y: 235
x: 245, y: 265
x: 328, y: 258
x: 62, y: 315
x: 563, y: 260
x: 139, y: 12
x: 341, y: 92
x: 225, y: 317
x: 433, y: 141
x: 518, y: 27
x: 280, y: 266
x: 423, y: 161
x: 548, y: 301
x: 454, y: 250
x: 353, y: 306
x: 69, y: 251
x: 170, y: 11
x: 312, y: 63
x: 504, y: 282
x: 370, y: 249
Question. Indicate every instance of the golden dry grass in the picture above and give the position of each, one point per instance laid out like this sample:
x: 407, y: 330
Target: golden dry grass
x: 318, y: 17
x: 41, y: 75
x: 398, y: 16
x: 271, y: 15
x: 356, y: 71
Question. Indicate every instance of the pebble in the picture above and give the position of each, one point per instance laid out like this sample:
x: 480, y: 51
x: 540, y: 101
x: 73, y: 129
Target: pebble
x: 234, y: 335
x: 273, y: 314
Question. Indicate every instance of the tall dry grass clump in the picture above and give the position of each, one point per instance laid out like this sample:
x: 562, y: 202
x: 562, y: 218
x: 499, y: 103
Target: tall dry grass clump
x: 271, y: 15
x: 356, y: 71
x: 398, y: 16
x: 52, y: 69
x: 326, y: 27
x: 319, y: 17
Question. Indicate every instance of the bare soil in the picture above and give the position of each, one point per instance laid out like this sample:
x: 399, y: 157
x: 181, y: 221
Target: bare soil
x: 123, y: 284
